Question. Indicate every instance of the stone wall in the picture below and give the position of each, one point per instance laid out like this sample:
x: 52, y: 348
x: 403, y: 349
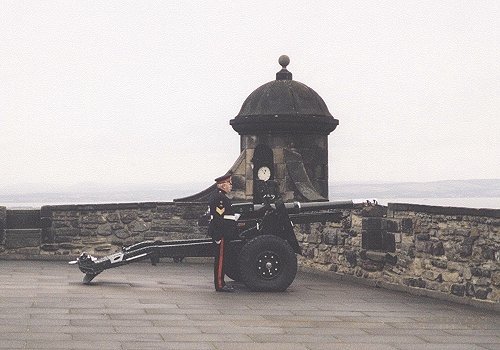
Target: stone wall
x: 448, y: 250
x: 451, y: 249
x: 105, y: 228
x: 3, y: 218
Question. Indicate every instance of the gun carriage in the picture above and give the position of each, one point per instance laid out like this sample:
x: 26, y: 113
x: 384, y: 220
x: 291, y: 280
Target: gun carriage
x: 262, y: 254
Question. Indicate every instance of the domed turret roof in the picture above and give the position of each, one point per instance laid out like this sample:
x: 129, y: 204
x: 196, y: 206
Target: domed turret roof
x: 282, y: 106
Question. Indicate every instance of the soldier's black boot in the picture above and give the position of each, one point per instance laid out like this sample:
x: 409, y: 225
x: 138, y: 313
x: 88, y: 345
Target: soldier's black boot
x: 226, y: 289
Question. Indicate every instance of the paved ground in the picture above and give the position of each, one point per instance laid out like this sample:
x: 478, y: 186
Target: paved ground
x: 43, y: 305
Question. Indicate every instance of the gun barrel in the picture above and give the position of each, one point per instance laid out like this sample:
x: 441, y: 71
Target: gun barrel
x: 316, y: 206
x: 298, y: 207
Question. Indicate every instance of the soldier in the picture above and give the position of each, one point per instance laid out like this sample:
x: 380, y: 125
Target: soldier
x: 222, y: 227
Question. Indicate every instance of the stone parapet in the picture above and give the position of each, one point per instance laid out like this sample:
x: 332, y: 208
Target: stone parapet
x: 451, y: 251
x: 438, y: 210
x: 99, y: 229
x: 3, y: 219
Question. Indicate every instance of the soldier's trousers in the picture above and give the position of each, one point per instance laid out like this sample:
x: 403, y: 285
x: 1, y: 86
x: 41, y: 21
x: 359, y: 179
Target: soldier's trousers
x: 219, y: 266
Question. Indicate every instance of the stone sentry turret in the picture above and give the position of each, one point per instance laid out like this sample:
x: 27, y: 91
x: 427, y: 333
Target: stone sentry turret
x: 284, y: 127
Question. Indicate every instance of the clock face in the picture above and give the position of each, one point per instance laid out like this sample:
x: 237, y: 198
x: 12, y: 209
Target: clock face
x: 264, y: 173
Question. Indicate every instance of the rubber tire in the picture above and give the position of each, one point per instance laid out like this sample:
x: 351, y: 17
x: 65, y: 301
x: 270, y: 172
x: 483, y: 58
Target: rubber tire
x: 231, y: 264
x: 249, y: 257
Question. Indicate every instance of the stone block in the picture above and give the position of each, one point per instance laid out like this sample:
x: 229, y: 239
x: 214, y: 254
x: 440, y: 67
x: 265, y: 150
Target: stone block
x: 3, y: 217
x: 22, y: 238
x: 466, y: 247
x: 422, y: 237
x: 113, y: 217
x: 323, y: 257
x: 93, y: 241
x: 314, y: 237
x: 166, y: 208
x: 331, y: 238
x: 415, y: 282
x: 92, y: 227
x: 389, y: 242
x: 469, y: 289
x: 455, y: 266
x: 105, y: 230
x: 50, y: 247
x: 195, y: 211
x: 371, y: 239
x: 323, y: 247
x: 467, y: 274
x: 407, y: 225
x: 482, y: 282
x: 374, y: 211
x: 30, y: 251
x: 378, y: 240
x: 160, y: 225
x: 60, y: 224
x: 240, y: 165
x: 461, y: 232
x: 458, y: 289
x: 128, y: 216
x: 68, y: 231
x: 93, y: 219
x: 238, y: 182
x: 488, y: 253
x: 47, y: 235
x: 280, y: 171
x: 70, y: 246
x: 480, y: 272
x: 392, y: 225
x: 442, y: 264
x: 22, y: 219
x: 430, y: 275
x: 103, y: 248
x: 122, y: 234
x: 62, y: 239
x: 117, y: 226
x: 369, y: 265
x: 437, y: 249
x: 139, y: 226
x: 482, y: 294
x: 87, y: 233
x: 495, y: 278
x: 249, y: 188
x: 453, y: 277
x: 45, y: 222
x: 248, y: 142
x: 351, y: 257
x: 375, y: 256
x: 373, y: 224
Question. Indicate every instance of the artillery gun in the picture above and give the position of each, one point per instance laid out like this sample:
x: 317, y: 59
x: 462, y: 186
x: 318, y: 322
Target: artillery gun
x: 262, y: 254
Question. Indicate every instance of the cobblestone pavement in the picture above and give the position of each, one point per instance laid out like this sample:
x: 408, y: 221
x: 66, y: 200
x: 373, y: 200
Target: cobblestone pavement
x: 43, y: 305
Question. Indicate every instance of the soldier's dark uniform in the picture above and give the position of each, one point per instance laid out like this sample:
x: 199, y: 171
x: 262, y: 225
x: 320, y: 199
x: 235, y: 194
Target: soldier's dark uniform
x: 222, y: 228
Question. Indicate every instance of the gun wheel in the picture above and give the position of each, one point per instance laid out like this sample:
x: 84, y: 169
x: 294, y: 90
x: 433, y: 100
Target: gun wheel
x: 268, y: 263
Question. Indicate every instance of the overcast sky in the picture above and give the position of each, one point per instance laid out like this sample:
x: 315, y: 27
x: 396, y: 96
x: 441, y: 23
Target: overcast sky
x: 143, y: 91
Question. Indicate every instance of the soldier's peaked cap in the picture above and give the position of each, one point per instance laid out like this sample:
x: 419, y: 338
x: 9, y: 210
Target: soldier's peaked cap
x: 223, y: 178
